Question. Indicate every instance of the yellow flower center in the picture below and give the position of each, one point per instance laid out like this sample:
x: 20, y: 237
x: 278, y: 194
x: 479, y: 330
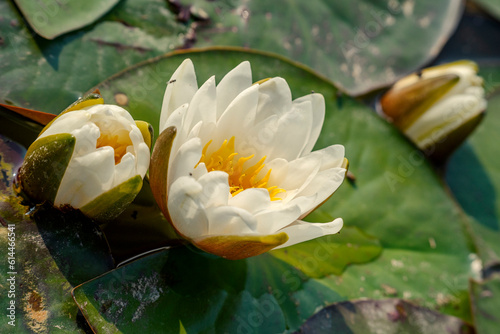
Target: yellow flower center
x: 240, y: 177
x: 118, y: 140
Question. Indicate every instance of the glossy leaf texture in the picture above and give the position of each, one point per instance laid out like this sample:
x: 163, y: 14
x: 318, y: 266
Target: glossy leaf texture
x: 51, y: 18
x: 387, y: 315
x: 485, y: 296
x: 49, y: 75
x: 51, y: 253
x: 473, y: 174
x: 425, y: 255
x: 492, y: 7
x: 360, y: 45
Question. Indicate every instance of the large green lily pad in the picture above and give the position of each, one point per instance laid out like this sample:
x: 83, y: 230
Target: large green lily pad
x: 360, y: 45
x: 50, y: 75
x: 51, y: 18
x: 395, y: 198
x: 485, y: 297
x: 387, y: 316
x: 473, y: 174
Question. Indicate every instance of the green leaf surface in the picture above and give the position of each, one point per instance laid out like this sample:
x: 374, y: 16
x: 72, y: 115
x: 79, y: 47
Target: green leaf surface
x: 360, y: 45
x: 331, y: 254
x: 492, y: 7
x: 385, y: 316
x: 51, y: 18
x: 473, y: 174
x: 50, y: 75
x: 486, y: 303
x: 396, y: 198
x: 48, y: 258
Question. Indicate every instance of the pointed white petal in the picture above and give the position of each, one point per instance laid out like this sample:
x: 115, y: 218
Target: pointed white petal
x: 180, y: 89
x: 233, y: 83
x: 202, y: 106
x: 275, y: 98
x: 318, y: 117
x: 301, y: 231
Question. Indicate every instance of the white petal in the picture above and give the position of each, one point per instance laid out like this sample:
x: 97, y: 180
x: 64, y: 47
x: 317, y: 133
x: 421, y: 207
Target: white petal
x: 185, y: 208
x: 176, y: 118
x: 125, y: 169
x: 230, y: 220
x: 215, y: 189
x: 324, y: 184
x: 301, y: 231
x: 239, y: 115
x: 185, y: 159
x: 275, y: 98
x: 233, y: 83
x: 180, y: 89
x: 86, y: 178
x: 270, y: 221
x: 252, y: 200
x: 292, y: 132
x: 202, y: 105
x: 318, y: 117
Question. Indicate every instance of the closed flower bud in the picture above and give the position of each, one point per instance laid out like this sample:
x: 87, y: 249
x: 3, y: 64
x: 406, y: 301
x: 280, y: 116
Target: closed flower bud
x: 438, y: 107
x: 92, y: 157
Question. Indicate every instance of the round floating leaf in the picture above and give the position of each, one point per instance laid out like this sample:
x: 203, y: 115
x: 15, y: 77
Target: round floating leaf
x: 491, y: 6
x: 485, y: 304
x: 360, y: 45
x: 473, y: 174
x: 388, y: 315
x: 51, y: 18
x: 50, y: 75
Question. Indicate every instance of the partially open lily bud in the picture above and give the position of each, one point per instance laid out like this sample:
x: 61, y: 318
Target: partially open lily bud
x: 233, y: 167
x: 438, y: 107
x: 92, y: 157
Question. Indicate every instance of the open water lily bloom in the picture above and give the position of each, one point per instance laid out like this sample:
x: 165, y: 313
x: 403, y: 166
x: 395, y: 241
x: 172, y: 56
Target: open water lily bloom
x: 233, y: 169
x: 93, y: 159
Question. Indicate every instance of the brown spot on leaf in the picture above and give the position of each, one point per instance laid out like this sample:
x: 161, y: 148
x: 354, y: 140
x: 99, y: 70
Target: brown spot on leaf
x: 36, y: 314
x: 121, y: 99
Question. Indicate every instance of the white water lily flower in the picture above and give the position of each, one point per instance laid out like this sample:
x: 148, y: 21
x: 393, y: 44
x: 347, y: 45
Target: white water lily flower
x: 438, y: 107
x: 92, y: 159
x: 241, y: 175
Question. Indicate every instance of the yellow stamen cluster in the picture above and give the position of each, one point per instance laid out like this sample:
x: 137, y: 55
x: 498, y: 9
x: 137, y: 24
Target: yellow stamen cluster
x: 240, y: 178
x: 119, y: 141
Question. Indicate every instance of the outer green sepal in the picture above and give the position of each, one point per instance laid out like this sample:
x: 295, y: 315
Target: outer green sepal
x: 44, y: 167
x: 110, y: 204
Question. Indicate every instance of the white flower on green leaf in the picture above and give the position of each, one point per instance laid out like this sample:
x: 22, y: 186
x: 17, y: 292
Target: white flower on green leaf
x: 438, y: 107
x: 233, y: 169
x: 92, y: 157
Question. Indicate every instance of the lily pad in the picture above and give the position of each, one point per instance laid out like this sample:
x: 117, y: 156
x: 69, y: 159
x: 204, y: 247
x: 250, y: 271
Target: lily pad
x: 490, y: 6
x: 473, y: 174
x: 360, y: 45
x: 387, y: 316
x: 486, y: 302
x: 425, y: 254
x: 51, y: 18
x: 49, y: 75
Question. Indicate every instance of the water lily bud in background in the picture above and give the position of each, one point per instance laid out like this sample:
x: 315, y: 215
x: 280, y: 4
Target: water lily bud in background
x: 438, y: 107
x: 92, y: 157
x: 233, y: 169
